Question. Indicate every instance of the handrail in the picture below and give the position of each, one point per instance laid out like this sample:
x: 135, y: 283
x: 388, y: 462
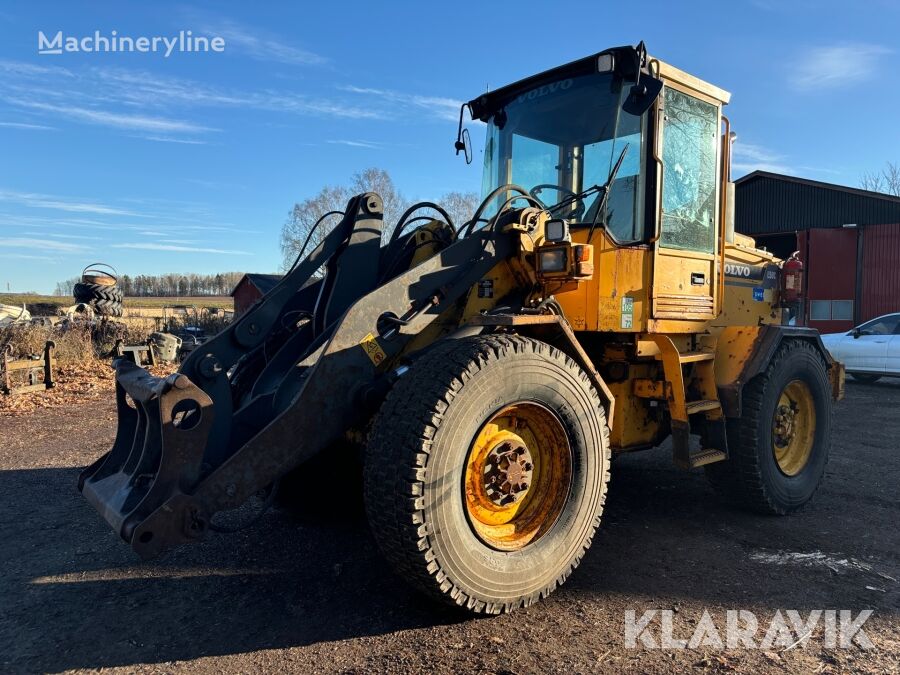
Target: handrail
x: 726, y: 175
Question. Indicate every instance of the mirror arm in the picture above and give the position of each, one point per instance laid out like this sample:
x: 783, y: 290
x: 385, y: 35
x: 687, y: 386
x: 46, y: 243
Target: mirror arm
x: 459, y: 145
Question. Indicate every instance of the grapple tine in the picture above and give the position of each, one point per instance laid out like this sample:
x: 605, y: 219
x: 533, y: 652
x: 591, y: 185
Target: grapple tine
x: 167, y: 428
x: 112, y: 461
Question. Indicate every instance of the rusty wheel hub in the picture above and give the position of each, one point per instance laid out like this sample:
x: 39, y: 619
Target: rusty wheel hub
x: 784, y: 424
x: 508, y: 473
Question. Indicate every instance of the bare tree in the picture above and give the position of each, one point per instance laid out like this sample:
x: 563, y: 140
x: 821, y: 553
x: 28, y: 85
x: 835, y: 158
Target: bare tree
x: 167, y: 285
x: 66, y: 287
x: 887, y: 180
x: 303, y: 217
x: 460, y: 206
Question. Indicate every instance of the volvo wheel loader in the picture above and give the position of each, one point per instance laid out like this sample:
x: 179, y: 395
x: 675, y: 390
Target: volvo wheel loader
x: 597, y: 302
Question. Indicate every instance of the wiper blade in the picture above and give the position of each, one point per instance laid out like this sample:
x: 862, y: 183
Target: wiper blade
x: 571, y: 199
x: 601, y: 208
x: 587, y: 192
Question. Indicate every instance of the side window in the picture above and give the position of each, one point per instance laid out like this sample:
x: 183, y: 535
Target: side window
x: 689, y: 173
x: 883, y: 326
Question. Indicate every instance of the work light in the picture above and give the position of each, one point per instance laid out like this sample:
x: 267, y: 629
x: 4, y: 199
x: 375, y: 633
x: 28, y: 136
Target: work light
x: 556, y: 230
x: 553, y: 259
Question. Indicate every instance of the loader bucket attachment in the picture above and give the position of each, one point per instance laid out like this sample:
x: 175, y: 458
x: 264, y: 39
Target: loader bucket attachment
x: 162, y: 430
x: 283, y: 382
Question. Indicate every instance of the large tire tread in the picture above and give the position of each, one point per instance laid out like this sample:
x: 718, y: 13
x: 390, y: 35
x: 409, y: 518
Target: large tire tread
x: 85, y: 292
x: 397, y: 459
x: 740, y: 479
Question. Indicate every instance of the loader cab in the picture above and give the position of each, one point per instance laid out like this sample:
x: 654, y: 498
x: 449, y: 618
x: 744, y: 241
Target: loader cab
x: 560, y: 133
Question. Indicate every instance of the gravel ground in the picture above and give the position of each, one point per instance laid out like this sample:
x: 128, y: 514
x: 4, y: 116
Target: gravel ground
x: 306, y: 595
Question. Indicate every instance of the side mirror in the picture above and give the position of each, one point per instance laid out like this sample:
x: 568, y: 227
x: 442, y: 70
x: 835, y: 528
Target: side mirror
x: 464, y: 145
x: 856, y: 333
x: 642, y: 95
x: 463, y: 142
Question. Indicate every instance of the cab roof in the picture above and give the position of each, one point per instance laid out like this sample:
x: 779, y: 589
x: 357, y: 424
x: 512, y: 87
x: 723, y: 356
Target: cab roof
x: 484, y: 106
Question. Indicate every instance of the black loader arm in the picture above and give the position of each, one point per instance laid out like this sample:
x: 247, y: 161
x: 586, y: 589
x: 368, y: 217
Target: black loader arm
x: 180, y: 456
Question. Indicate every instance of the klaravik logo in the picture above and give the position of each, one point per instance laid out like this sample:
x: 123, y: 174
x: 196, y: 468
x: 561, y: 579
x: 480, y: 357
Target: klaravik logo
x: 184, y: 42
x: 743, y: 630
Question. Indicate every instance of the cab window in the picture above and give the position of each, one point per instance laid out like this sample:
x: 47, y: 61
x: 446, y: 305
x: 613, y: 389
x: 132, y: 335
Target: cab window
x: 689, y: 172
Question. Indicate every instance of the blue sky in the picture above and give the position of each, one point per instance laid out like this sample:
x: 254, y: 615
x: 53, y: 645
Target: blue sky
x: 190, y: 163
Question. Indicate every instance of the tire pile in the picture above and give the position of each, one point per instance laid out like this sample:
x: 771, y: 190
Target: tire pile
x: 98, y: 289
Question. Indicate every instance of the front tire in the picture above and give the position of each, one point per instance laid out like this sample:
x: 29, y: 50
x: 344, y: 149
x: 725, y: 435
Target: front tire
x: 778, y: 449
x: 486, y: 471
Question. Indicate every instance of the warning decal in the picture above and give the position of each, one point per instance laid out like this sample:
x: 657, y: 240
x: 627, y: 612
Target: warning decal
x: 373, y: 349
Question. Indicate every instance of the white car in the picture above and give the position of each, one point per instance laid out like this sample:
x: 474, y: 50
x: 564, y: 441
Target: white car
x: 869, y: 351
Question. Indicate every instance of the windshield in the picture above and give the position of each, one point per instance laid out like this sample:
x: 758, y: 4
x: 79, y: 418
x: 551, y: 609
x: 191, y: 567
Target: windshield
x: 564, y: 137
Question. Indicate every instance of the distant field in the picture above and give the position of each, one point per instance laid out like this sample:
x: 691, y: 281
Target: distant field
x: 203, y: 301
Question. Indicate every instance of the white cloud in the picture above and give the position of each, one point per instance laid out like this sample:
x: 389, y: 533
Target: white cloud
x: 357, y: 144
x: 176, y: 249
x: 113, y: 119
x: 170, y: 139
x: 262, y: 46
x: 55, y: 235
x: 438, y: 106
x: 26, y: 125
x: 96, y: 96
x: 26, y: 256
x: 40, y: 244
x: 23, y: 68
x: 36, y: 200
x: 836, y: 66
x: 749, y: 157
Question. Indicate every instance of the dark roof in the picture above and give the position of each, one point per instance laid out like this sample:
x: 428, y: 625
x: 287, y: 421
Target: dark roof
x: 483, y: 106
x: 768, y: 203
x: 263, y: 282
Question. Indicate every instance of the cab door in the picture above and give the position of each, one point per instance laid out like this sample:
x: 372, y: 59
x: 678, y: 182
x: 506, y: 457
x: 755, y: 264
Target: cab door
x: 685, y: 258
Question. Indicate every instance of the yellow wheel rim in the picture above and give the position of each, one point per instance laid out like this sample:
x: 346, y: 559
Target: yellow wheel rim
x: 794, y: 428
x: 517, y: 476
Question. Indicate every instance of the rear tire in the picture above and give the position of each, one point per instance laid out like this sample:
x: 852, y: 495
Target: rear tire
x: 418, y: 476
x: 769, y: 470
x: 865, y: 378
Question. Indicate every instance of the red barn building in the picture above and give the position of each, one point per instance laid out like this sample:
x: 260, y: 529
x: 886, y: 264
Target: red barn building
x: 848, y: 239
x: 251, y: 288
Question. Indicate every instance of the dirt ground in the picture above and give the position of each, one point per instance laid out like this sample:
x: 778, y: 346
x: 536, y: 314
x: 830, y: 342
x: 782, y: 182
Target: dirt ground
x: 306, y: 596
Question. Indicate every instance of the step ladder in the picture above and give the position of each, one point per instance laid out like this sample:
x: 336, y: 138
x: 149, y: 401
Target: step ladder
x: 674, y: 392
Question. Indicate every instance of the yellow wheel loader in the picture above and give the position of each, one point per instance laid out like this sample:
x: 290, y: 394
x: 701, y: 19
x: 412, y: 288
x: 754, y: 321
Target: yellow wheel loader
x: 597, y: 302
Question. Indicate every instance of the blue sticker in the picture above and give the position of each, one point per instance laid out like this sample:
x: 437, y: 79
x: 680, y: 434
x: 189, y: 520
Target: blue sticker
x: 758, y: 294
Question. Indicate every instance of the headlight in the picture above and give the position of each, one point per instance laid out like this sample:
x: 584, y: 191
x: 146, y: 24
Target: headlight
x: 553, y: 260
x: 556, y: 230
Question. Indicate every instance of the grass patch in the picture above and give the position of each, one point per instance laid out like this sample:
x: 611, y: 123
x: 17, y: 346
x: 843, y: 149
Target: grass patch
x: 64, y: 301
